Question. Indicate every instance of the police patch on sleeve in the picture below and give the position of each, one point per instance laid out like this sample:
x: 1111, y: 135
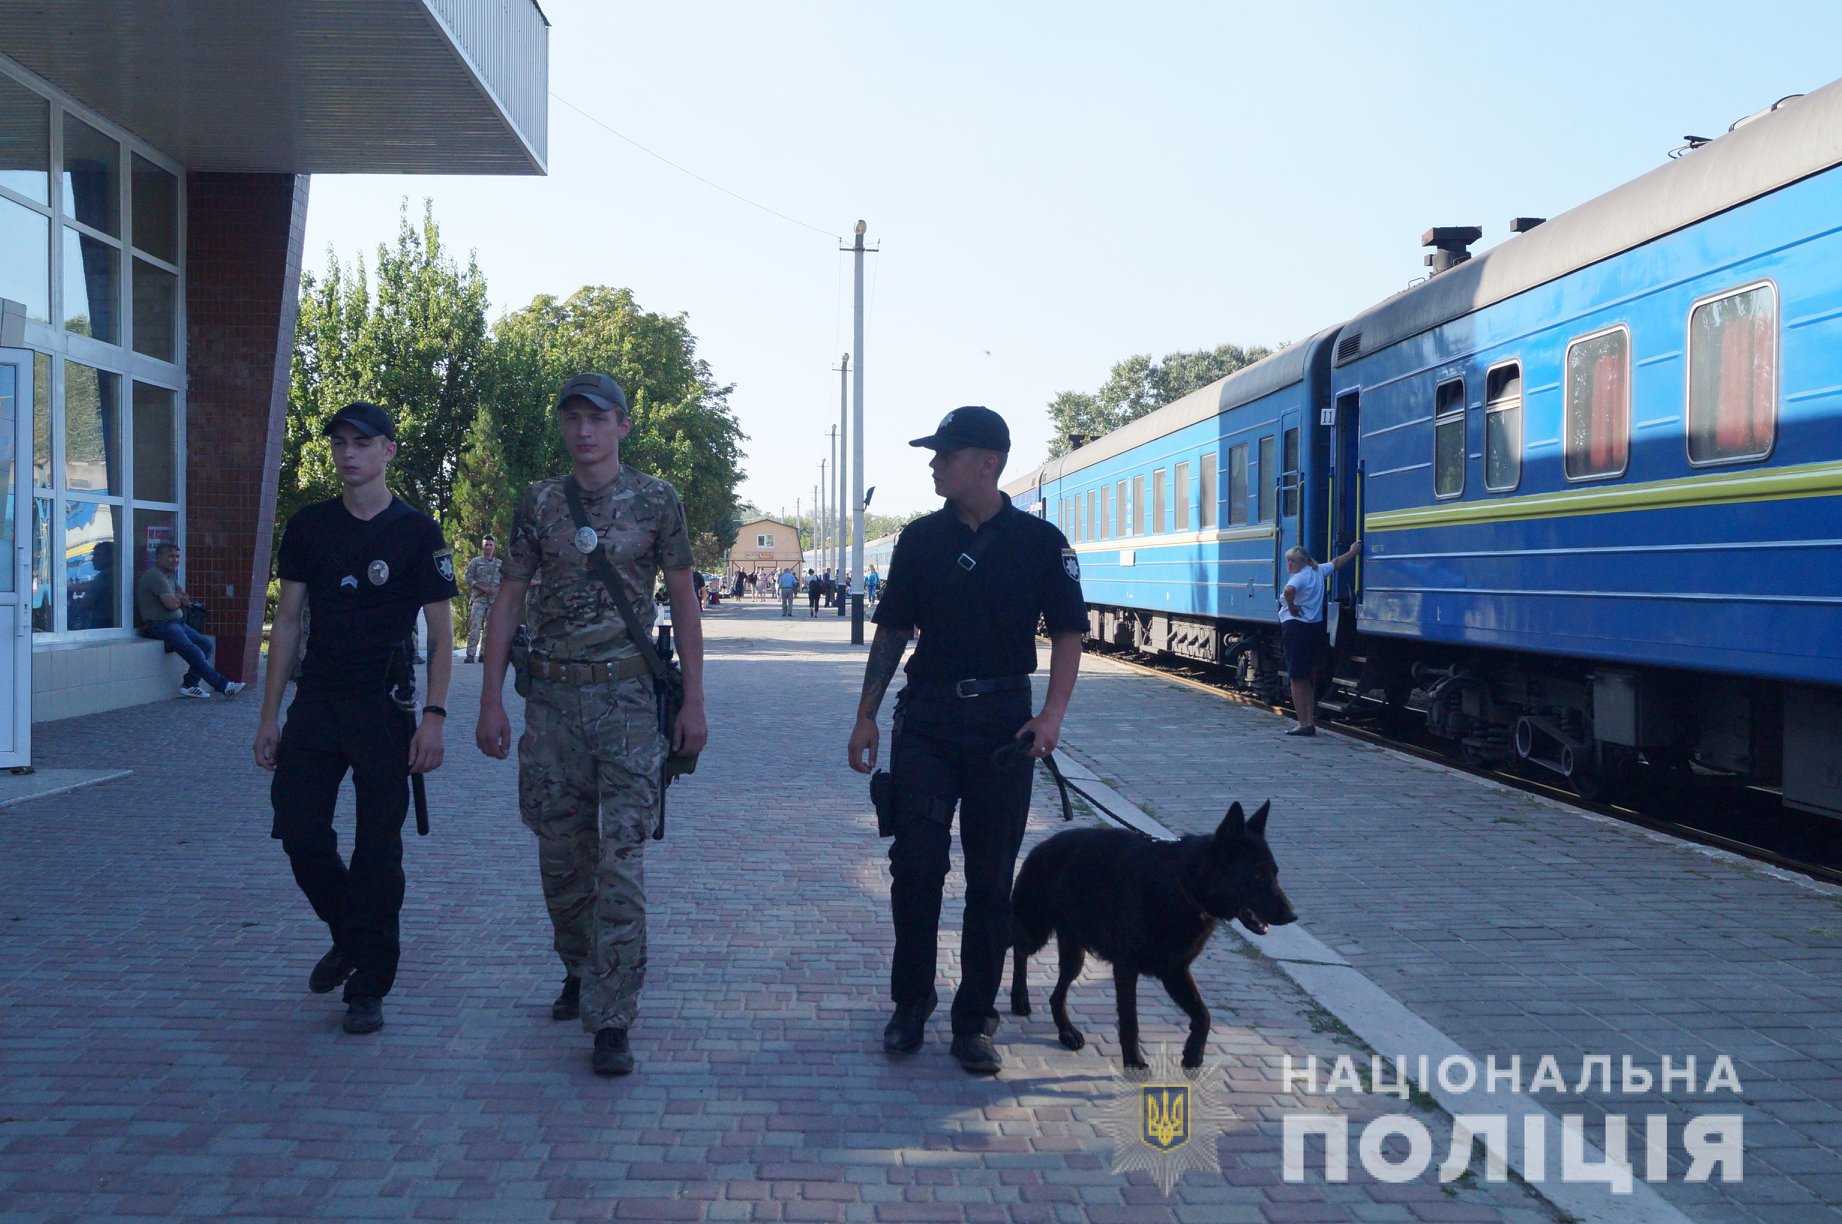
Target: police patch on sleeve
x: 444, y: 563
x: 1071, y: 564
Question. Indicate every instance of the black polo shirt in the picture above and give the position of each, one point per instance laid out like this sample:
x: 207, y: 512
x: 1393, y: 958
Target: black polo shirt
x: 980, y: 623
x: 365, y: 583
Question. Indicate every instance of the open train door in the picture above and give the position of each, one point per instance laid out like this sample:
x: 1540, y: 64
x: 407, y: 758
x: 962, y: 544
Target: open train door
x: 16, y: 400
x: 1344, y: 524
x: 1291, y: 480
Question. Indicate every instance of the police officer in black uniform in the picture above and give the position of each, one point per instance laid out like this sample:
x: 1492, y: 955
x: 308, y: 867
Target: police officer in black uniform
x: 975, y: 577
x: 364, y: 564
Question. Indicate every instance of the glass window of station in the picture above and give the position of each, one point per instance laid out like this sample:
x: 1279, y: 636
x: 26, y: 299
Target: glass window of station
x: 91, y: 236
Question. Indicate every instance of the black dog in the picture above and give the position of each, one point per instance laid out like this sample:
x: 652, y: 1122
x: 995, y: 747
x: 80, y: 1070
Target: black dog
x: 1145, y: 907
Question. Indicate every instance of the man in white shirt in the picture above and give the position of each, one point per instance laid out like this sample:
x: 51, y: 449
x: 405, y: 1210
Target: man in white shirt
x: 1301, y: 628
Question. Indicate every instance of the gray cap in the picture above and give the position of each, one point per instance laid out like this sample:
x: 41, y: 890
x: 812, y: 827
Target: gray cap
x: 598, y: 389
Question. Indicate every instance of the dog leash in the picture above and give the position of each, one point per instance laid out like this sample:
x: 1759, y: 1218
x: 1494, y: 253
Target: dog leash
x: 1008, y: 754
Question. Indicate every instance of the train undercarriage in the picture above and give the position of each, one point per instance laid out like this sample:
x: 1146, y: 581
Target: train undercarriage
x: 1592, y: 725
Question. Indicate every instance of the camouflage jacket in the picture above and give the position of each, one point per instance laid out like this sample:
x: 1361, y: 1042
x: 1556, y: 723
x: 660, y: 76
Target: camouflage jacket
x: 640, y: 525
x: 483, y: 571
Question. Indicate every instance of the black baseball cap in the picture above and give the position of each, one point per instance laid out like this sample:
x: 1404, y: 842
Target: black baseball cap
x: 598, y: 389
x: 969, y: 426
x: 367, y: 419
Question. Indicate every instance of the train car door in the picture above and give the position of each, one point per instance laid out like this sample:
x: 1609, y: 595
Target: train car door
x: 1344, y: 523
x: 1290, y: 479
x: 16, y: 402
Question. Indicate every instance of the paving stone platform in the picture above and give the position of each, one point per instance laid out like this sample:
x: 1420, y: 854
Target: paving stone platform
x: 161, y: 1058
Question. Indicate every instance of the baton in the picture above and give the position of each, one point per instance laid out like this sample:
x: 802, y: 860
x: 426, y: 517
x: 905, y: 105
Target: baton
x: 421, y: 793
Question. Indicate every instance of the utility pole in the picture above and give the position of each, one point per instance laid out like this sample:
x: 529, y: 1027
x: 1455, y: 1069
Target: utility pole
x: 815, y: 520
x: 844, y: 376
x: 857, y: 250
x: 819, y: 499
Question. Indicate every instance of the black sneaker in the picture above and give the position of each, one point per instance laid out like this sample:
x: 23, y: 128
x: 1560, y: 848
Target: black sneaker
x: 568, y: 1005
x: 1302, y: 731
x: 976, y: 1053
x: 612, y: 1057
x: 330, y: 973
x: 364, y: 1014
x: 907, y: 1029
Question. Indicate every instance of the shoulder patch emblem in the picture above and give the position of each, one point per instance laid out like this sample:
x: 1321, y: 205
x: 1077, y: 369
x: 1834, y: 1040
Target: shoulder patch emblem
x: 444, y: 563
x: 1071, y: 564
x: 378, y: 573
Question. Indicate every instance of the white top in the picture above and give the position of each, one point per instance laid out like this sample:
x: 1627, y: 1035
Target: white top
x: 1307, y: 587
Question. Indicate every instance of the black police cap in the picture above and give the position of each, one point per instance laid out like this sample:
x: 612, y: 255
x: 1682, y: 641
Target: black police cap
x: 598, y: 389
x: 367, y: 419
x: 969, y: 426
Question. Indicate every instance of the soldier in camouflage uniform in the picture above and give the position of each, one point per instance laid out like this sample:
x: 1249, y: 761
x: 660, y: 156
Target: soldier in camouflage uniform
x: 590, y: 757
x: 481, y: 583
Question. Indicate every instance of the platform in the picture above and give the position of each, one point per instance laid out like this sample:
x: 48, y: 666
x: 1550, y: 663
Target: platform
x: 161, y: 1057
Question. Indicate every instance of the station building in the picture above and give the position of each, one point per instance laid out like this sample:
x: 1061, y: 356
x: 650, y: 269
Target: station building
x: 764, y: 546
x: 154, y: 166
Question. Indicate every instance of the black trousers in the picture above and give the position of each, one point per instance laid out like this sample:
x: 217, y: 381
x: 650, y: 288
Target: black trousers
x: 940, y: 754
x: 321, y: 740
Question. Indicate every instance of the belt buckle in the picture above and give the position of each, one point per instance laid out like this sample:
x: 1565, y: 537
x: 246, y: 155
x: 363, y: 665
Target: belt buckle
x: 960, y: 690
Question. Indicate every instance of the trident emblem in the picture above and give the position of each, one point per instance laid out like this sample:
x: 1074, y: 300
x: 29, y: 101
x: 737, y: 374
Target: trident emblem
x: 1167, y: 1115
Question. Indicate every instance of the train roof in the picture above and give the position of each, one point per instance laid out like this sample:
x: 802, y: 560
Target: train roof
x: 1265, y: 376
x: 1773, y: 151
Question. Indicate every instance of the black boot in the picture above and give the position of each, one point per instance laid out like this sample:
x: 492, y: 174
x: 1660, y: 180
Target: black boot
x: 612, y: 1057
x: 568, y: 1005
x: 907, y: 1029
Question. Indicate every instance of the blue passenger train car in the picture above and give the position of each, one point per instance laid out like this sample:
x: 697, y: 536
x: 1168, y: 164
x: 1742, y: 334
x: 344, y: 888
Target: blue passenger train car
x: 1597, y: 470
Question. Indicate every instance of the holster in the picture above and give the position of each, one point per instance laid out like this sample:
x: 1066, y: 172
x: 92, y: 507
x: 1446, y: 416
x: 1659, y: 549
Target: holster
x: 521, y: 662
x: 896, y: 807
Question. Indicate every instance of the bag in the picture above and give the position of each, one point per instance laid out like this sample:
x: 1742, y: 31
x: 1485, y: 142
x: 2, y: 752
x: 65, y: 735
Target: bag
x: 668, y: 676
x: 196, y: 617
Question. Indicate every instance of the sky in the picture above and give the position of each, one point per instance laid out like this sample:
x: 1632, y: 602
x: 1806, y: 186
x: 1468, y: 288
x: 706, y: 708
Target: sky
x: 1054, y: 187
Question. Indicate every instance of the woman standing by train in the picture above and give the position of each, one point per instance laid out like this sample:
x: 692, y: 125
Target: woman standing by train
x: 1301, y: 628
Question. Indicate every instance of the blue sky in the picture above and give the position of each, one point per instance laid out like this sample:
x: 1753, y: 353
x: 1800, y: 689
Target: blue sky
x: 1056, y: 186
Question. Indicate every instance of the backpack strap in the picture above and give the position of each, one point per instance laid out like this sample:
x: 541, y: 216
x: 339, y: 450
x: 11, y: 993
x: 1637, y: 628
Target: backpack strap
x: 598, y: 563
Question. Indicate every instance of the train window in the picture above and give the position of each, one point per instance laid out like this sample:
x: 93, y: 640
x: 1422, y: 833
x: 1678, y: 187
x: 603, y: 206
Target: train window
x: 1449, y: 438
x: 1503, y: 427
x: 1122, y: 524
x: 1138, y: 506
x: 1093, y: 503
x: 1733, y: 376
x: 1207, y: 496
x: 1180, y: 498
x: 1158, y: 523
x: 1268, y: 478
x: 1597, y: 436
x: 1288, y: 501
x: 1237, y: 485
x: 1106, y: 512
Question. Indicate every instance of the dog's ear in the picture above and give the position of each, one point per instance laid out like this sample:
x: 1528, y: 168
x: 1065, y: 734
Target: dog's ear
x: 1229, y: 833
x: 1256, y: 826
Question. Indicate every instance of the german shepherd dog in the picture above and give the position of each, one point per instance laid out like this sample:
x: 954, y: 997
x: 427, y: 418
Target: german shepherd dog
x: 1146, y: 908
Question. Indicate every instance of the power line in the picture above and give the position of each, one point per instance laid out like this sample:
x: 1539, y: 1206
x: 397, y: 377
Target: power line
x: 692, y: 173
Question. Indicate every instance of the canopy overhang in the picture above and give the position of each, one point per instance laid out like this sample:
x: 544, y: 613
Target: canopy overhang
x: 304, y: 86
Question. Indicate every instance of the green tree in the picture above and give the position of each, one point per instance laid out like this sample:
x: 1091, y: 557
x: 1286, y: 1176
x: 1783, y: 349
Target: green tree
x: 683, y: 428
x: 1137, y: 386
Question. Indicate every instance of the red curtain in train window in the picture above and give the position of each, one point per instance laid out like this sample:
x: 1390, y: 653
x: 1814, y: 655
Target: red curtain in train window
x: 1743, y: 413
x: 1609, y: 417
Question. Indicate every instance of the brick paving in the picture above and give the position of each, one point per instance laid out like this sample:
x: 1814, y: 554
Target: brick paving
x: 161, y: 1058
x: 1521, y: 927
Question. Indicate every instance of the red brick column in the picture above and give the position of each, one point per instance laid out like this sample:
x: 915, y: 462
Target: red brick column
x: 244, y: 234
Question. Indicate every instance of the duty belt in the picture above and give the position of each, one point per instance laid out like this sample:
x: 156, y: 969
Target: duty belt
x: 971, y: 688
x: 569, y: 671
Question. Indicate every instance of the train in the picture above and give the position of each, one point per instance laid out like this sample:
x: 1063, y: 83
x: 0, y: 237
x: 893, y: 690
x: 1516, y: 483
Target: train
x: 1596, y: 470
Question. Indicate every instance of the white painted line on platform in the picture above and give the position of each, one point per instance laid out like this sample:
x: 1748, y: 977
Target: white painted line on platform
x: 44, y: 783
x: 1392, y: 1029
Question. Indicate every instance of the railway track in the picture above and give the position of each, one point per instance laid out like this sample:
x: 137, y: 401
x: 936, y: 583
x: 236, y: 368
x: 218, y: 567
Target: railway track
x: 1747, y: 821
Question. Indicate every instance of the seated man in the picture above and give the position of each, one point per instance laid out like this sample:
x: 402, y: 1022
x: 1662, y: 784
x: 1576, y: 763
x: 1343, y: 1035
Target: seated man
x: 161, y: 604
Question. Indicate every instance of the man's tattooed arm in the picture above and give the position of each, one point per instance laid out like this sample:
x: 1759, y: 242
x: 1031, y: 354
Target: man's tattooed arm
x: 885, y: 656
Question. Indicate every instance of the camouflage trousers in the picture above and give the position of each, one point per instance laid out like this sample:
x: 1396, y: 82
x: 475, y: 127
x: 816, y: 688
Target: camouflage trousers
x: 588, y: 787
x: 477, y: 611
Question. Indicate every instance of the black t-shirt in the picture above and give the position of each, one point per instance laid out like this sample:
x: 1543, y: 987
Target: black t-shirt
x: 365, y: 583
x: 980, y: 623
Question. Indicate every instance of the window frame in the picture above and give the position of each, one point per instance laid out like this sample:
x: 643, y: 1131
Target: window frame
x: 1292, y: 470
x: 1521, y: 422
x: 1630, y: 398
x: 1688, y: 376
x: 1122, y: 521
x: 1139, y: 515
x: 1206, y: 498
x: 1160, y: 500
x: 1266, y: 481
x: 1237, y: 506
x: 1446, y: 417
x: 1180, y: 496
